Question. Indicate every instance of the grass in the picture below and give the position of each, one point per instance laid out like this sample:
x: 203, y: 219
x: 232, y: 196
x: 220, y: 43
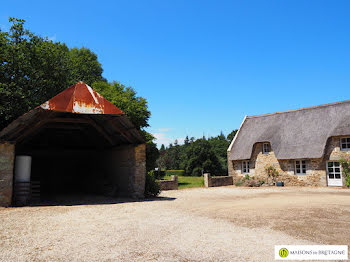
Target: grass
x: 188, y: 181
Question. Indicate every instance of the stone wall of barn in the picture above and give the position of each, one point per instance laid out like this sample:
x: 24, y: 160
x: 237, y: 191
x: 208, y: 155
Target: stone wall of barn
x: 7, y: 158
x: 139, y: 176
x: 126, y: 170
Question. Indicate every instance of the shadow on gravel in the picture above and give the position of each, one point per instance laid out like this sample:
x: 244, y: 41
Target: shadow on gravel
x: 75, y: 200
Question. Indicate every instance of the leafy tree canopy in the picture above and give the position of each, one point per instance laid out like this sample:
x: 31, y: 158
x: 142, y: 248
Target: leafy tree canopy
x: 33, y: 69
x: 125, y: 98
x: 207, y: 154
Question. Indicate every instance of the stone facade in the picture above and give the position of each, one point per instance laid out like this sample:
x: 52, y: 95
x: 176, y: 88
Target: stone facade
x: 171, y: 184
x: 316, y: 174
x: 7, y: 157
x: 210, y: 181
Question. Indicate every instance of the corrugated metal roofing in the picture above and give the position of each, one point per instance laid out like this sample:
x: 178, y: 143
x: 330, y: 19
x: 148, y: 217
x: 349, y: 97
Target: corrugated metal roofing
x: 77, y: 105
x: 81, y: 98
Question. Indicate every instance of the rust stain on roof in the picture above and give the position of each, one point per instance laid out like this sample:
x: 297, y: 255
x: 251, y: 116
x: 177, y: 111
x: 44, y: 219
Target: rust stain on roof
x: 82, y: 99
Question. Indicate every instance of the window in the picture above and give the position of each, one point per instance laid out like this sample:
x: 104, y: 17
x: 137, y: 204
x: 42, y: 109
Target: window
x: 300, y: 167
x: 334, y: 170
x: 266, y: 148
x: 245, y: 167
x: 345, y: 143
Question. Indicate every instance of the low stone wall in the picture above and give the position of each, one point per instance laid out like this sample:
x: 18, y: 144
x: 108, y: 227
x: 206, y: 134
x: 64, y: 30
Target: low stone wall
x: 169, y: 184
x: 210, y: 181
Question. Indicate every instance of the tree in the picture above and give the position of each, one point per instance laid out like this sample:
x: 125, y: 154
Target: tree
x: 162, y: 149
x: 186, y: 141
x: 33, y: 69
x: 219, y: 145
x: 232, y: 135
x: 200, y: 156
x: 125, y: 98
x: 84, y: 66
x: 152, y: 152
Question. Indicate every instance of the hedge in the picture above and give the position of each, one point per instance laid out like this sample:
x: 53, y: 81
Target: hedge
x: 174, y: 172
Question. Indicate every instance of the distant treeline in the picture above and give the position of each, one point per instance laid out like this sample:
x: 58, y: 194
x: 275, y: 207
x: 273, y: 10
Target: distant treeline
x: 197, y: 156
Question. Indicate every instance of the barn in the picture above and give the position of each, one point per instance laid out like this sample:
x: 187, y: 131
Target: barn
x: 77, y: 143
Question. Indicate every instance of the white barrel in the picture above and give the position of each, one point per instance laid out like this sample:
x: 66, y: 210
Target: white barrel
x: 23, y: 166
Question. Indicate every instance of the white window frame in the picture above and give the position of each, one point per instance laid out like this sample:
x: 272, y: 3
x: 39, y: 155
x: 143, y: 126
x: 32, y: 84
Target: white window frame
x: 299, y: 163
x: 345, y: 141
x: 332, y: 181
x: 266, y: 146
x: 245, y: 167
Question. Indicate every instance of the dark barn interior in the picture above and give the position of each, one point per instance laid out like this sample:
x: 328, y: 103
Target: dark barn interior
x: 72, y: 155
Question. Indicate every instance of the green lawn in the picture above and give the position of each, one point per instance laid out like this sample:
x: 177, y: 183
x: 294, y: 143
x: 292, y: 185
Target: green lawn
x: 189, y: 181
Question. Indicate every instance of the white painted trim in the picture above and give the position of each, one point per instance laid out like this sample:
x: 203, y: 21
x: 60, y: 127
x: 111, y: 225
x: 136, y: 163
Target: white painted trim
x: 301, y: 167
x: 268, y: 146
x: 234, y: 139
x: 341, y: 144
x: 245, y: 165
x: 341, y: 173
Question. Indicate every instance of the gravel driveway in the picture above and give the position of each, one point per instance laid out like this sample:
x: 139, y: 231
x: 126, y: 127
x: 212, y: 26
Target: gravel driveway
x: 204, y: 224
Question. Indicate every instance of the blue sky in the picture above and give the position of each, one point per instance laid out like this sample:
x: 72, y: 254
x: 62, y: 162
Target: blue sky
x: 204, y: 65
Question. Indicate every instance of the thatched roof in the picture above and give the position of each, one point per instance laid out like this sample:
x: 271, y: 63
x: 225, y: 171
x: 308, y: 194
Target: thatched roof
x: 300, y: 133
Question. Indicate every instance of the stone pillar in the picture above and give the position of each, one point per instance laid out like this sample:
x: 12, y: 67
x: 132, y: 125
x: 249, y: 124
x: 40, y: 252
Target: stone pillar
x: 7, y: 157
x: 207, y: 180
x: 174, y: 178
x: 139, y: 171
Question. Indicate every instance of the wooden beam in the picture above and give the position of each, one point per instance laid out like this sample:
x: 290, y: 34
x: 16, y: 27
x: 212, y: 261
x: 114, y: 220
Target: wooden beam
x: 123, y: 133
x: 100, y: 129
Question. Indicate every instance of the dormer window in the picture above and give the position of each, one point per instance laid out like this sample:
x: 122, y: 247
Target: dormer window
x: 266, y: 148
x: 345, y: 143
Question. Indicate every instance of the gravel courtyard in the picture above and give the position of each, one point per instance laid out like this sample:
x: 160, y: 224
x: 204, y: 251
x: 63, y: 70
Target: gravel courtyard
x: 202, y: 224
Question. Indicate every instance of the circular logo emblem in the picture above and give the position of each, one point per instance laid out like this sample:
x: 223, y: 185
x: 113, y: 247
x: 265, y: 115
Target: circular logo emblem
x: 283, y: 252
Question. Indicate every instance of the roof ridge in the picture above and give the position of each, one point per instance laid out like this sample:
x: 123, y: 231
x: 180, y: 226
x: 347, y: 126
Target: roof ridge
x: 299, y: 109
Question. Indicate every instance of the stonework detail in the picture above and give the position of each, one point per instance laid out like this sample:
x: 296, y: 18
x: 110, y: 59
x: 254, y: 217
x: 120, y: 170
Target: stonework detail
x: 139, y: 176
x: 316, y: 172
x: 215, y: 181
x: 171, y: 184
x: 7, y: 158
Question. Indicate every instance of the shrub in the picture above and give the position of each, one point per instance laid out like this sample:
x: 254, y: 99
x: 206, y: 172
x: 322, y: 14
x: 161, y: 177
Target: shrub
x: 158, y: 174
x: 271, y: 173
x: 152, y: 188
x: 261, y: 182
x: 252, y: 183
x: 239, y: 182
x: 174, y: 172
x: 345, y: 163
x: 247, y: 177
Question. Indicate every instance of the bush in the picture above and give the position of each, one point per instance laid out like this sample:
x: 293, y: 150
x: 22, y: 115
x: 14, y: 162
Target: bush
x: 239, y: 182
x: 174, y: 172
x: 345, y: 163
x: 252, y: 183
x: 247, y: 177
x: 152, y: 188
x: 271, y: 173
x: 158, y: 174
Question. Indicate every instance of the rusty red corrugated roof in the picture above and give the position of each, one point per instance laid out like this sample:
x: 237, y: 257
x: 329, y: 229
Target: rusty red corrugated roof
x: 82, y: 99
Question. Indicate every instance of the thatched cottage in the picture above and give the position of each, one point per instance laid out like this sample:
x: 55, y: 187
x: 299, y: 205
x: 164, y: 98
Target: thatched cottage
x: 303, y: 145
